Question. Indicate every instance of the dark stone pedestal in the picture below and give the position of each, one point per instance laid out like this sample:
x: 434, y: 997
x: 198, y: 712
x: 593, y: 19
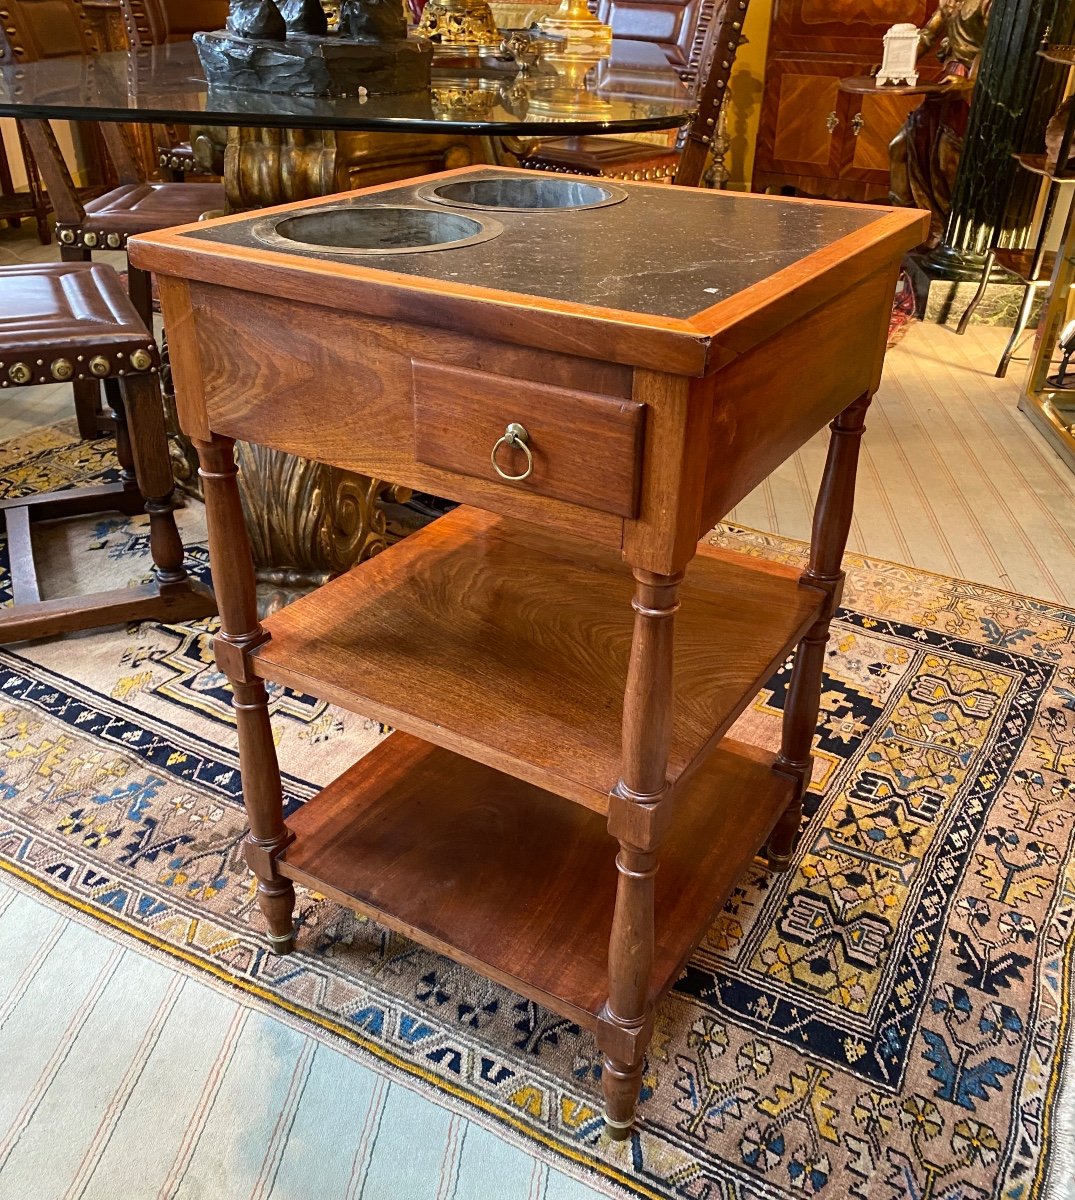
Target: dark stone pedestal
x: 315, y: 66
x: 944, y: 281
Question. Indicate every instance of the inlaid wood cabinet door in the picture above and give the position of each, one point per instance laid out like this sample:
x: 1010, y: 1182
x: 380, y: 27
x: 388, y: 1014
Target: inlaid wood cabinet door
x: 812, y: 137
x: 873, y: 122
x: 843, y: 26
x: 800, y: 132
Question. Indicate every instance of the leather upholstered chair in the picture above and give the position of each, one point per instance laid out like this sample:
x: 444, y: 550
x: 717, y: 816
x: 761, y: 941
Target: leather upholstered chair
x: 700, y: 39
x: 71, y: 322
x: 155, y: 23
x: 34, y: 29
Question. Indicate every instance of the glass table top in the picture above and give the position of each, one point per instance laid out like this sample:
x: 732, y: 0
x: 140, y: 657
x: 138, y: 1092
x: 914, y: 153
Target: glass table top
x: 633, y: 90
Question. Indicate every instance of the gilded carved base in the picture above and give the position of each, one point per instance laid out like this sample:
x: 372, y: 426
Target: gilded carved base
x: 307, y: 521
x: 277, y: 166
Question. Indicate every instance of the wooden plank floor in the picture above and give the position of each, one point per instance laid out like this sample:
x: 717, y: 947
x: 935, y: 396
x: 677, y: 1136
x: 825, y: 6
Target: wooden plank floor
x: 149, y: 1073
x: 954, y: 479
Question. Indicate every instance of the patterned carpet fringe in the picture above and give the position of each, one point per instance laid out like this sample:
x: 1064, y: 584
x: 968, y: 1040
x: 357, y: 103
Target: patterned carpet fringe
x: 887, y: 1020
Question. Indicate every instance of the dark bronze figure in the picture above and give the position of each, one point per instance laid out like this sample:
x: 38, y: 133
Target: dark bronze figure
x: 304, y: 16
x: 256, y: 19
x: 285, y: 46
x: 373, y: 20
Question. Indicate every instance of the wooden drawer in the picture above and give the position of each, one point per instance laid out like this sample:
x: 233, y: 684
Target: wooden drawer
x: 587, y: 449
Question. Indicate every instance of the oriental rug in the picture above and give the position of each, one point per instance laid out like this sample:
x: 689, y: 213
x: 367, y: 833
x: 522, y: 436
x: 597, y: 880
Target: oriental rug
x: 890, y: 1019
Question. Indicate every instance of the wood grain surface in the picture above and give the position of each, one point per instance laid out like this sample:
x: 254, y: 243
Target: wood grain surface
x: 508, y: 879
x: 509, y: 644
x: 586, y: 448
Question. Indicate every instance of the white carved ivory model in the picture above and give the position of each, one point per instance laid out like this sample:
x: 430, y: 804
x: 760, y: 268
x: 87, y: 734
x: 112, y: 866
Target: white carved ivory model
x: 901, y: 55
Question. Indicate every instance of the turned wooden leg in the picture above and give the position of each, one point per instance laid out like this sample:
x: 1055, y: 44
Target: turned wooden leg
x: 832, y: 523
x: 142, y: 441
x: 635, y: 819
x: 240, y: 632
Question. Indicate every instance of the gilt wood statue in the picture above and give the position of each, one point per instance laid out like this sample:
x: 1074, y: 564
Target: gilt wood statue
x: 925, y: 154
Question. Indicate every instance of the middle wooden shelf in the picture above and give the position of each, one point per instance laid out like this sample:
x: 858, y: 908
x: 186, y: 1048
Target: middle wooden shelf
x: 510, y: 645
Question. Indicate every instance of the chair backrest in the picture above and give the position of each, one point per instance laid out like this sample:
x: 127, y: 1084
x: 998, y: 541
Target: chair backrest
x: 34, y: 29
x: 31, y: 30
x: 154, y: 22
x: 720, y: 45
x: 677, y: 26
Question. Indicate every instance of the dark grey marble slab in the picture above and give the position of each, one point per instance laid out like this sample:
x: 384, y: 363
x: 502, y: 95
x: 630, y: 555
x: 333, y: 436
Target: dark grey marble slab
x: 664, y: 251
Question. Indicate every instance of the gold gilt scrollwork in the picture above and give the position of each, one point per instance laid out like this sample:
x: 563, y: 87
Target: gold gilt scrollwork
x: 307, y: 521
x: 276, y: 166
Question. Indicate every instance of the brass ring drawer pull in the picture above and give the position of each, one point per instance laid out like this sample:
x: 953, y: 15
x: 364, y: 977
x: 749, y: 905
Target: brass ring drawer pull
x: 517, y: 438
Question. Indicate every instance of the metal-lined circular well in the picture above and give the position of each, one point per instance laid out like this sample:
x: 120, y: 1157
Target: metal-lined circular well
x: 514, y: 193
x: 382, y: 229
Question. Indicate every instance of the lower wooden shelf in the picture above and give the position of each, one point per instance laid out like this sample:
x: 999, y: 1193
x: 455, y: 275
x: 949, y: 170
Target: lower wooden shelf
x: 508, y: 879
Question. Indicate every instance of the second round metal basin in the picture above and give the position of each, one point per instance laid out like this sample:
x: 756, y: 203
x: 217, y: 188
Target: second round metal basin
x: 513, y: 193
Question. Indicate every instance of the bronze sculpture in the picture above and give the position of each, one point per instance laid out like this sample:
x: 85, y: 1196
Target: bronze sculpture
x: 925, y: 154
x: 256, y: 19
x: 376, y: 20
x: 285, y: 46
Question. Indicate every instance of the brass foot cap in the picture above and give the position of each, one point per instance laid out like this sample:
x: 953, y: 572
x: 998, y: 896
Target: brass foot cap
x: 618, y: 1131
x: 778, y: 862
x: 281, y: 943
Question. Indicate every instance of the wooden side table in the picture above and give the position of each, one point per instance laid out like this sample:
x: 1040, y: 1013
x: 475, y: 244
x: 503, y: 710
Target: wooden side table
x: 559, y: 658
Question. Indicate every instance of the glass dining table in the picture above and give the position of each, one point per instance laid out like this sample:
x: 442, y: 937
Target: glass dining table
x: 634, y: 90
x: 282, y: 148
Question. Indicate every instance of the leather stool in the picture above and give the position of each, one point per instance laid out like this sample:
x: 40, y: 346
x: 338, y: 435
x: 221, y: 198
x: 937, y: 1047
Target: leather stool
x: 66, y: 322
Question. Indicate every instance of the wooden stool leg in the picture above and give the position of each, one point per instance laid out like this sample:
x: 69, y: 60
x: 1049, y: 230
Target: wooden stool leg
x: 140, y: 290
x: 1021, y: 322
x: 124, y: 450
x: 7, y: 185
x: 38, y: 195
x: 832, y: 523
x: 979, y: 294
x: 233, y: 575
x: 626, y: 1021
x: 148, y: 446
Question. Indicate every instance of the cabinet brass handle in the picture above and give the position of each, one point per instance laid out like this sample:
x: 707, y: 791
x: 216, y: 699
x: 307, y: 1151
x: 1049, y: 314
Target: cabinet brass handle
x: 831, y: 121
x: 858, y: 124
x: 517, y: 438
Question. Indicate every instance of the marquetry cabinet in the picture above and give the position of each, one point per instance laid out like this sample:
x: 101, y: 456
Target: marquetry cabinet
x: 598, y: 374
x: 813, y: 138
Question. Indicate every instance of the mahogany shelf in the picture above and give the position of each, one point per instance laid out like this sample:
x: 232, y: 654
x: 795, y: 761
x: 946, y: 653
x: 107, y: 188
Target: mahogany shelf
x: 510, y: 645
x: 487, y: 869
